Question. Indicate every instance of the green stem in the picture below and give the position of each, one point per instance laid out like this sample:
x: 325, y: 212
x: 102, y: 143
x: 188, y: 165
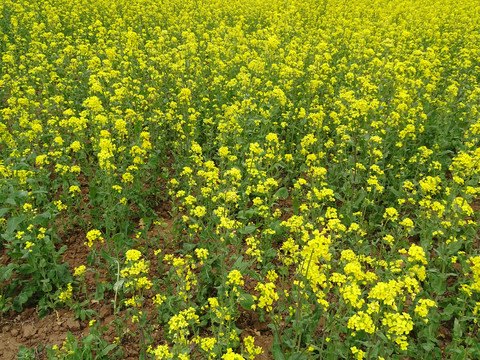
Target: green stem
x: 116, y: 290
x: 299, y: 334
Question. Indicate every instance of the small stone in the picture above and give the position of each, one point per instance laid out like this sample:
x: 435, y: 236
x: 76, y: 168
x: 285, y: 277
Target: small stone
x: 29, y: 331
x: 109, y: 319
x: 73, y: 325
x: 14, y: 332
x: 105, y: 311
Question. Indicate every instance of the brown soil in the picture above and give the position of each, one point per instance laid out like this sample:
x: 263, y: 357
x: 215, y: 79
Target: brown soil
x: 27, y: 329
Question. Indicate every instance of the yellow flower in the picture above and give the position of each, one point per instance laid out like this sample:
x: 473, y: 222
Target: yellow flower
x: 423, y: 306
x: 79, y: 270
x: 407, y: 223
x: 132, y: 255
x: 74, y: 189
x: 185, y: 95
x: 416, y: 253
x: 92, y: 236
x: 390, y: 214
x: 202, y: 254
x: 430, y: 184
x: 223, y: 152
x: 159, y: 299
x: 66, y: 294
x: 359, y: 354
x: 230, y: 355
x: 117, y: 188
x: 60, y: 206
x: 198, y: 211
x: 271, y: 137
x: 397, y: 323
x: 389, y: 239
x: 75, y: 146
x: 162, y: 352
x: 267, y: 295
x: 93, y: 103
x: 127, y: 178
x: 250, y: 347
x: 361, y: 321
x: 235, y: 278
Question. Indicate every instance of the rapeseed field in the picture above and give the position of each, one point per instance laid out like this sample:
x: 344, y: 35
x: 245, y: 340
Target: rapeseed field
x: 243, y: 179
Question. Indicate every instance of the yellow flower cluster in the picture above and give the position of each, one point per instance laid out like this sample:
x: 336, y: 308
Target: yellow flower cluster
x: 92, y: 236
x: 136, y: 271
x: 66, y: 294
x: 267, y: 296
x: 333, y: 149
x: 178, y: 324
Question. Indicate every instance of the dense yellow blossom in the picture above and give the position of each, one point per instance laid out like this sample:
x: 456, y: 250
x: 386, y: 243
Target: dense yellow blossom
x: 328, y: 152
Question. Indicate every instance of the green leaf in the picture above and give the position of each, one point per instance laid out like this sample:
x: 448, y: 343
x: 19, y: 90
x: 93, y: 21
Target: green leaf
x: 38, y: 192
x: 118, y: 285
x: 448, y: 312
x: 88, y: 340
x: 108, y: 349
x: 43, y: 264
x: 11, y: 201
x: 438, y: 283
x: 100, y: 291
x: 298, y: 355
x: 46, y: 286
x: 457, y: 329
x: 277, y: 227
x: 429, y: 346
x: 6, y: 272
x: 277, y: 350
x: 62, y: 250
x: 281, y: 193
x: 4, y: 211
x: 13, y: 222
x: 107, y: 257
x: 270, y: 254
x: 240, y: 265
x: 26, y: 269
x: 189, y: 246
x: 63, y: 274
x: 22, y: 194
x: 247, y: 229
x: 247, y: 214
x: 296, y: 205
x: 43, y: 218
x: 246, y: 300
x: 82, y: 315
x: 22, y: 298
